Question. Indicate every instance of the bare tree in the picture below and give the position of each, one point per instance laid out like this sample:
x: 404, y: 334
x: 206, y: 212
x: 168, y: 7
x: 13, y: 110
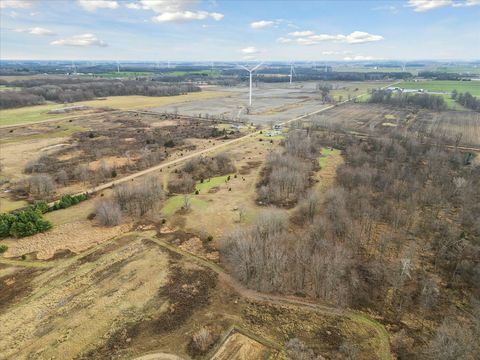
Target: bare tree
x: 41, y: 185
x: 108, y: 213
x: 139, y: 198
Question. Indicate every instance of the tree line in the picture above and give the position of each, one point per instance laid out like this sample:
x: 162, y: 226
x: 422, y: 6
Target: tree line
x: 422, y: 100
x: 34, y: 92
x: 467, y: 100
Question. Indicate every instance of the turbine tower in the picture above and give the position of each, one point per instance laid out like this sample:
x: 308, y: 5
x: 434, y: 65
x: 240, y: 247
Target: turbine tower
x: 118, y: 67
x: 250, y: 71
x: 292, y: 72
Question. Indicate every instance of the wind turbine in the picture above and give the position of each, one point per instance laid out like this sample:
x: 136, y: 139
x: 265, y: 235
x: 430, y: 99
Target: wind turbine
x: 118, y: 67
x: 292, y: 72
x: 250, y: 71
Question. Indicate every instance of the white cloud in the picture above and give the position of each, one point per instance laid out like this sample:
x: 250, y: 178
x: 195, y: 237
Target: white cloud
x: 173, y: 10
x: 284, y: 40
x: 426, y: 5
x: 180, y: 16
x: 92, y: 5
x: 36, y: 31
x: 16, y: 4
x: 466, y: 3
x: 80, y: 40
x: 301, y: 33
x: 358, y: 58
x: 310, y: 38
x: 358, y: 37
x: 262, y: 24
x: 251, y: 50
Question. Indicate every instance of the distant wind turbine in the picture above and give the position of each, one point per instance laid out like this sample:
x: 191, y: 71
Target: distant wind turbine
x: 250, y: 71
x: 118, y: 67
x: 292, y: 72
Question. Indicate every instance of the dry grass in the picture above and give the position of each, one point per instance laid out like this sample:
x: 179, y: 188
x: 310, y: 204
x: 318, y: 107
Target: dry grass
x: 139, y: 102
x: 73, y: 307
x: 240, y: 347
x: 74, y: 236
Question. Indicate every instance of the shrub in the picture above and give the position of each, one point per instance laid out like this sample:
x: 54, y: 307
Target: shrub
x: 23, y: 223
x: 169, y: 143
x: 3, y: 248
x: 201, y: 341
x: 67, y: 201
x: 108, y: 213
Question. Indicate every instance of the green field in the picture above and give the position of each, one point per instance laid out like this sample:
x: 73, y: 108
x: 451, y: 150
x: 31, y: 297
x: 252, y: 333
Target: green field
x: 9, y: 88
x: 173, y: 204
x: 63, y: 131
x: 214, y: 73
x: 28, y: 114
x: 210, y: 183
x: 325, y: 155
x: 124, y: 74
x: 473, y: 87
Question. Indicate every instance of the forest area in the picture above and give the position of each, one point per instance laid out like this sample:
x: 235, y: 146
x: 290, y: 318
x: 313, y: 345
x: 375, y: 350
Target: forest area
x: 398, y: 235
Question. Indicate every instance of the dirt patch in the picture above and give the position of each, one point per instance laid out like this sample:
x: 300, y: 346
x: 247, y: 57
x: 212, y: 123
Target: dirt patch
x: 246, y: 168
x: 195, y: 246
x: 325, y: 335
x: 240, y: 347
x: 186, y: 292
x: 15, y: 286
x: 76, y: 237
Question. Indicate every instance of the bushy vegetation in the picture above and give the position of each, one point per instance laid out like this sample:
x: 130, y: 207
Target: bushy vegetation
x: 422, y: 100
x: 204, y: 167
x: 67, y: 201
x: 139, y: 198
x: 467, y: 100
x: 286, y: 175
x: 23, y: 223
x: 108, y: 213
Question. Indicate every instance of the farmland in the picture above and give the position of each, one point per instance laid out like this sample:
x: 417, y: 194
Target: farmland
x: 473, y: 87
x: 369, y: 118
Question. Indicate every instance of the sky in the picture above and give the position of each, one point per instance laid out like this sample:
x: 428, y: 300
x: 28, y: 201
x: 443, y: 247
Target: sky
x: 186, y: 30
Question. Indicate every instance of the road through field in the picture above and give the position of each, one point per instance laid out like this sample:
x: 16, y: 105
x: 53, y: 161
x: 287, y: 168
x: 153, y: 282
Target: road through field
x: 210, y: 149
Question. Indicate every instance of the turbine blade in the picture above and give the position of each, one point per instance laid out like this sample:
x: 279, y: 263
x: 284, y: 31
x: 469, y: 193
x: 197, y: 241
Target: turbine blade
x: 256, y: 67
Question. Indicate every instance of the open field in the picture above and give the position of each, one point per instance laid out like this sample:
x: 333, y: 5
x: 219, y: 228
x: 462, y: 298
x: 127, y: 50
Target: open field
x: 272, y: 103
x: 380, y: 119
x: 473, y: 87
x: 139, y: 102
x: 31, y: 114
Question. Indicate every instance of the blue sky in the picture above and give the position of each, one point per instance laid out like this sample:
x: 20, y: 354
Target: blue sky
x: 236, y: 30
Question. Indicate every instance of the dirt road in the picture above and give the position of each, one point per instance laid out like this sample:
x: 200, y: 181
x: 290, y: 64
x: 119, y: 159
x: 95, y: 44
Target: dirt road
x: 364, y: 320
x: 201, y: 152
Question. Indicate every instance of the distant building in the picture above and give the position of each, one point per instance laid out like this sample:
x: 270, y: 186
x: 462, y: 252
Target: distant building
x: 277, y: 127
